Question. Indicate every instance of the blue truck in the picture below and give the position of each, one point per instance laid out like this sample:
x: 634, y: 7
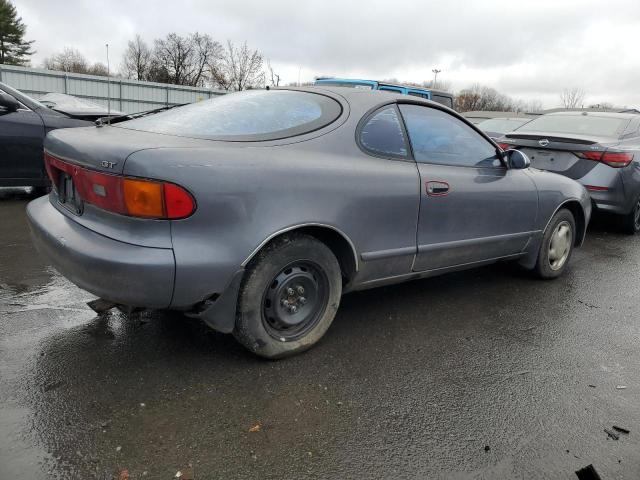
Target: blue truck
x: 444, y: 98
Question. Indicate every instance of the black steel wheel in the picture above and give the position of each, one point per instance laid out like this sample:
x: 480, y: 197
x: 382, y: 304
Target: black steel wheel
x: 295, y: 300
x: 289, y: 296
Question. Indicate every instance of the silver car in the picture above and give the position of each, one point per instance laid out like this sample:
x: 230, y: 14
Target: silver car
x: 600, y: 150
x: 256, y: 211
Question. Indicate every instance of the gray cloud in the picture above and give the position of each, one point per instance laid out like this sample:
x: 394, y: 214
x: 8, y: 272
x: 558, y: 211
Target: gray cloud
x: 529, y: 49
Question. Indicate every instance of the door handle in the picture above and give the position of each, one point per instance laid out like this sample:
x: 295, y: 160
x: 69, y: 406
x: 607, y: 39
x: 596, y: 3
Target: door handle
x: 437, y: 188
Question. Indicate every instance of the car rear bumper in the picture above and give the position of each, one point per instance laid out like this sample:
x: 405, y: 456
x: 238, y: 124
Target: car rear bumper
x: 607, y: 202
x: 117, y: 271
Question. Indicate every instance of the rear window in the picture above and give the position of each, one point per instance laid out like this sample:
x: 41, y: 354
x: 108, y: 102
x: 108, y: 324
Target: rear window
x: 577, y: 125
x: 245, y: 116
x: 501, y: 125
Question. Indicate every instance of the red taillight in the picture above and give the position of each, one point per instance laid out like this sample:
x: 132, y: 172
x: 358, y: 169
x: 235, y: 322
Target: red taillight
x: 505, y: 146
x: 596, y: 188
x: 178, y: 203
x: 613, y: 159
x: 617, y: 159
x: 135, y: 197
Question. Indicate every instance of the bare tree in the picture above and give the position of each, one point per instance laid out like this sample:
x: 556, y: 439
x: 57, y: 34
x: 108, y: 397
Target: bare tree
x: 239, y: 68
x: 184, y: 60
x: 136, y: 61
x: 572, y: 97
x: 602, y: 105
x: 69, y: 60
x: 99, y: 69
x: 172, y: 54
x: 275, y: 78
x: 480, y: 97
x: 206, y: 51
x: 533, y: 106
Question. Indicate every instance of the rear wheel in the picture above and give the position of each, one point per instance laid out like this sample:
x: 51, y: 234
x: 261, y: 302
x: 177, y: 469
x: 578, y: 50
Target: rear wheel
x: 556, y: 246
x: 289, y: 297
x: 631, y: 221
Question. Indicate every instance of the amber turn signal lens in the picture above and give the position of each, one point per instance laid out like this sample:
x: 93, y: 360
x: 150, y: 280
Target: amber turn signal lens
x: 143, y: 198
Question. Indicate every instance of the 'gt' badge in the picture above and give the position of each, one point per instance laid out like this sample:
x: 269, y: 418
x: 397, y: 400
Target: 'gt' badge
x: 106, y: 164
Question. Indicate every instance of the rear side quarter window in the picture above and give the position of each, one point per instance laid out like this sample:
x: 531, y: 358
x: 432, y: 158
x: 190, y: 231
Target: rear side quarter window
x: 381, y: 133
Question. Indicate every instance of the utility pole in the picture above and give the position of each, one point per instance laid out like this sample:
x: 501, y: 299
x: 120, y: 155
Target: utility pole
x: 435, y: 76
x: 108, y: 89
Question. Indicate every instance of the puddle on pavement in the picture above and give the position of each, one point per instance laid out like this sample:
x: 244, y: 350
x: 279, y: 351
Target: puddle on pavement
x: 35, y: 302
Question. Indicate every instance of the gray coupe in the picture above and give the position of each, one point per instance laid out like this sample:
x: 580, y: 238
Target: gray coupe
x: 256, y: 211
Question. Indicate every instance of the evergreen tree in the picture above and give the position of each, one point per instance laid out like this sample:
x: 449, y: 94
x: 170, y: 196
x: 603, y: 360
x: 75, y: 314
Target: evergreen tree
x: 14, y: 50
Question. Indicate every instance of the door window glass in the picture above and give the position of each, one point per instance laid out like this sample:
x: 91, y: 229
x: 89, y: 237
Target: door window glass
x: 438, y: 137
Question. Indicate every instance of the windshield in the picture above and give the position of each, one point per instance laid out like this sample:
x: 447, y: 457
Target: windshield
x: 582, y: 124
x: 21, y: 97
x: 69, y: 102
x: 501, y: 125
x: 252, y: 115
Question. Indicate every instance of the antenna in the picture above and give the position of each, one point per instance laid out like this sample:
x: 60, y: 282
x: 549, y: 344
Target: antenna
x: 108, y: 89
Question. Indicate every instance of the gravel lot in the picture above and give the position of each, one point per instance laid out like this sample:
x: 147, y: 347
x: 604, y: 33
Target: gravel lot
x: 488, y: 373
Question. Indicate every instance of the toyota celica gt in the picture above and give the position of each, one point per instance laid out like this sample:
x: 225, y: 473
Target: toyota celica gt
x: 255, y: 211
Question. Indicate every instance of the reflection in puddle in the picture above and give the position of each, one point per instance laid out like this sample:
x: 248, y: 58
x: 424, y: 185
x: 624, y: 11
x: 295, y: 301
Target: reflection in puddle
x: 35, y: 303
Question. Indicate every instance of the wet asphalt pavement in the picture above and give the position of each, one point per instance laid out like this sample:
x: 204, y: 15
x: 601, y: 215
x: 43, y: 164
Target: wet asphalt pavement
x: 488, y: 373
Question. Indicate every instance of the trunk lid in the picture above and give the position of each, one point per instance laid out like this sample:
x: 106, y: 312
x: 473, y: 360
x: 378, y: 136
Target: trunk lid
x: 106, y: 148
x: 555, y: 153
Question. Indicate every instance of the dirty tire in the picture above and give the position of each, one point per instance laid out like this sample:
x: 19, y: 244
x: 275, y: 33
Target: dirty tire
x: 630, y: 223
x: 266, y: 277
x: 545, y: 267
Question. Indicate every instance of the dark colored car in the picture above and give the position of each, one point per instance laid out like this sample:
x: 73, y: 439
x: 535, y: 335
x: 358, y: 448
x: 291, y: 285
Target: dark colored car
x: 24, y: 122
x: 256, y: 211
x: 600, y: 150
x: 79, y: 108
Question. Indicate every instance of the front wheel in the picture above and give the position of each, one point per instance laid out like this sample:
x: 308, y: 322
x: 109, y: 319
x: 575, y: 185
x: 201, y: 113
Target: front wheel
x: 556, y: 246
x: 289, y: 297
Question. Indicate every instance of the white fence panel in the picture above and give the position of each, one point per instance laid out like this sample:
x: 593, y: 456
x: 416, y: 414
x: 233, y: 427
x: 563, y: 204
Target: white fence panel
x: 128, y: 96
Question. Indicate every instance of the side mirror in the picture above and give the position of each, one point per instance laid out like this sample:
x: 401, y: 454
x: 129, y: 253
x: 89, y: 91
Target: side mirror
x: 517, y: 160
x: 8, y: 102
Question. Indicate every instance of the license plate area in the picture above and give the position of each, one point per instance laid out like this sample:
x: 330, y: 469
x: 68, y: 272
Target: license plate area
x: 551, y: 160
x: 68, y: 194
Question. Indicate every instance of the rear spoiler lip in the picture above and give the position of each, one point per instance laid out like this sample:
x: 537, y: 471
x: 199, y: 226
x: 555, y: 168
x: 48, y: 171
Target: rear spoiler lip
x: 537, y: 136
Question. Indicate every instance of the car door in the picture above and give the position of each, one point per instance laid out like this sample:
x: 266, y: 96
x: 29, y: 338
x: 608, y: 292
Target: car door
x: 472, y: 207
x: 21, y: 136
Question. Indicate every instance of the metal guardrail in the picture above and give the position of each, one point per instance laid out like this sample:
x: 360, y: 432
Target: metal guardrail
x: 128, y: 96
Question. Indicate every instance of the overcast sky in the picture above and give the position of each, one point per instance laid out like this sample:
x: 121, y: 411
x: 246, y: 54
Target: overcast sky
x: 526, y: 49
